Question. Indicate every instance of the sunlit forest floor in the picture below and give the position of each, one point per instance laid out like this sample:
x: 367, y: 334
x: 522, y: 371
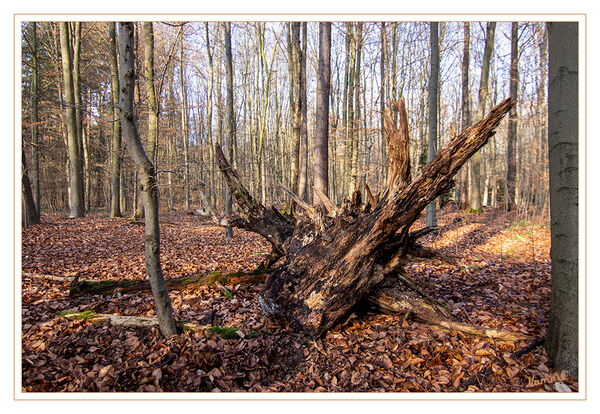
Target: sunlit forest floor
x: 500, y: 279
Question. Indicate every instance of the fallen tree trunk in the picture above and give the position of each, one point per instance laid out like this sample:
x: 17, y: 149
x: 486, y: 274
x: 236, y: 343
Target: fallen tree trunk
x: 252, y: 215
x: 336, y: 258
x: 128, y: 321
x: 396, y: 301
x: 47, y: 277
x: 149, y: 322
x: 110, y: 287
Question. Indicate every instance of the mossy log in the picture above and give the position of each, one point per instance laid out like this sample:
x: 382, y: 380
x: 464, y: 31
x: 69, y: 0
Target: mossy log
x: 149, y: 322
x: 109, y: 287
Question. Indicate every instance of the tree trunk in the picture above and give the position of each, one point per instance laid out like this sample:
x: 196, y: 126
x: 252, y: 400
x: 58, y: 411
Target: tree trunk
x: 355, y: 125
x: 185, y: 127
x: 475, y: 190
x: 511, y: 162
x: 76, y: 201
x: 465, y: 119
x: 85, y: 142
x: 31, y: 215
x: 115, y: 153
x: 321, y: 160
x: 384, y: 78
x: 297, y: 107
x: 209, y: 117
x: 35, y: 168
x: 230, y: 116
x: 303, y: 169
x: 433, y: 110
x: 147, y: 180
x: 563, y: 101
x: 76, y: 56
x: 105, y: 287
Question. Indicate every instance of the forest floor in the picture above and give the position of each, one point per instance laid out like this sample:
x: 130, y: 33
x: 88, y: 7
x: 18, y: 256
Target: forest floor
x: 501, y: 280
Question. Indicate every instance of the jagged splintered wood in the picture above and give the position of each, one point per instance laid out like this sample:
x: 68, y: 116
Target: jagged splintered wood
x: 339, y: 259
x: 398, y: 139
x: 252, y: 215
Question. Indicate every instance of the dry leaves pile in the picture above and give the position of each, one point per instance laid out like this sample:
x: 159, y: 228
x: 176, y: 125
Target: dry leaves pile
x: 502, y: 280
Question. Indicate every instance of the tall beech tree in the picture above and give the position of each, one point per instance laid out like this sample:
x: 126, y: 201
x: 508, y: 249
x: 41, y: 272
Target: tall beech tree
x: 465, y: 111
x: 35, y: 168
x: 303, y: 167
x: 75, y: 42
x: 147, y: 176
x: 563, y: 134
x: 76, y: 196
x: 230, y: 115
x: 321, y: 159
x: 433, y: 87
x: 115, y: 150
x: 296, y: 69
x: 511, y: 140
x: 475, y: 190
x: 185, y: 126
x: 30, y: 214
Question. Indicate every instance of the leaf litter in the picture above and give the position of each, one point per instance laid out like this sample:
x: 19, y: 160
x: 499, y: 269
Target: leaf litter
x: 501, y: 280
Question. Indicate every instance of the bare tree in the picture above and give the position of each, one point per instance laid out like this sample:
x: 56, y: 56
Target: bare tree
x: 354, y: 137
x: 303, y: 169
x: 148, y: 182
x: 230, y: 115
x: 115, y: 154
x: 76, y: 66
x: 30, y: 215
x: 465, y: 117
x: 296, y: 63
x: 511, y: 162
x: 433, y: 109
x: 563, y: 100
x: 321, y: 163
x: 35, y: 168
x: 475, y: 190
x: 185, y: 125
x: 76, y: 197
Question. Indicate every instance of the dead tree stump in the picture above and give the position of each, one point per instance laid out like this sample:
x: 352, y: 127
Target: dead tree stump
x: 338, y: 256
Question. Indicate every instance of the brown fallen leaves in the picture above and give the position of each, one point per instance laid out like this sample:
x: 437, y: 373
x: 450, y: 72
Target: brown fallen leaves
x: 369, y: 352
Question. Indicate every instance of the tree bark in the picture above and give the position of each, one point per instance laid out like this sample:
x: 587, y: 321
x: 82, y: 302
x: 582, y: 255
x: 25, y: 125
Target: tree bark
x: 354, y: 120
x: 321, y: 160
x: 563, y: 100
x: 230, y: 116
x: 76, y: 201
x: 303, y: 169
x: 76, y: 57
x: 35, y: 168
x: 475, y: 190
x: 151, y: 139
x: 31, y: 215
x: 185, y: 127
x: 384, y: 77
x: 296, y: 56
x: 511, y: 161
x: 115, y: 153
x: 465, y: 119
x: 433, y: 110
x: 147, y: 180
x: 209, y: 116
